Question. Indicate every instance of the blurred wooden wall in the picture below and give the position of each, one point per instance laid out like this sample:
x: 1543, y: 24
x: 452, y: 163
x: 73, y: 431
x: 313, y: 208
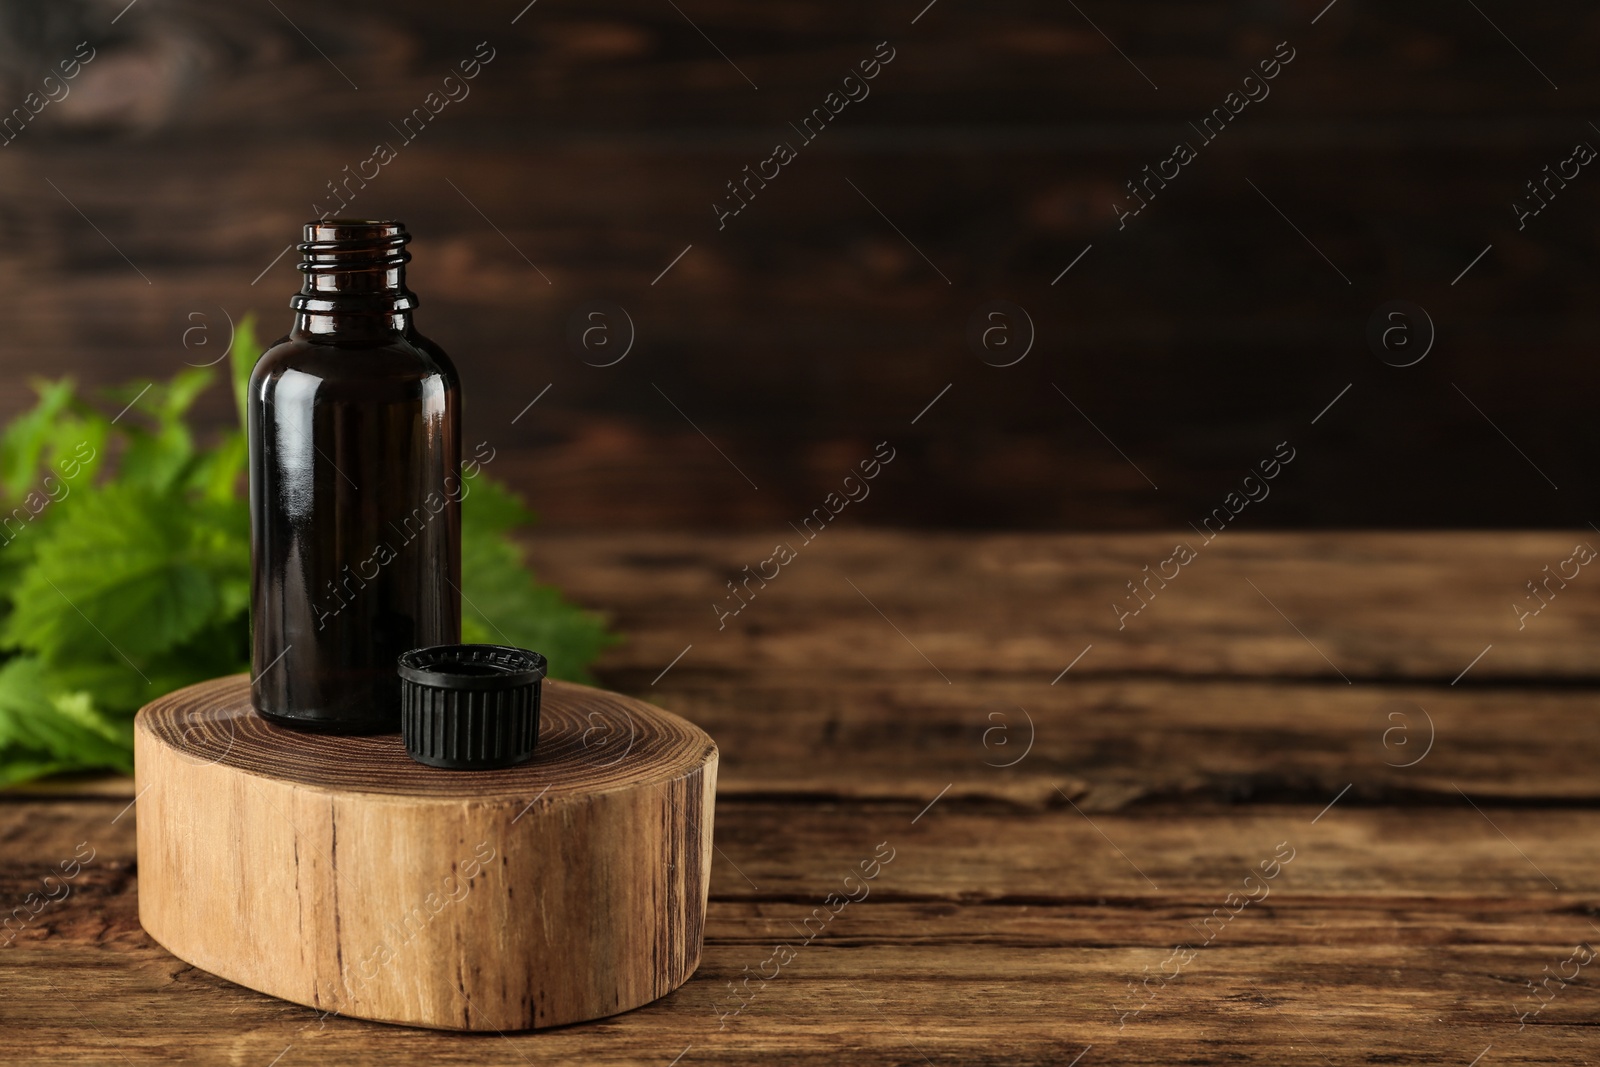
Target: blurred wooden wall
x: 777, y: 351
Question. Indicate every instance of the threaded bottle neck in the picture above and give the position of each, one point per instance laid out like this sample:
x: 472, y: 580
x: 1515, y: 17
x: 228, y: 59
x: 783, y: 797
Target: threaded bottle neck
x: 354, y: 265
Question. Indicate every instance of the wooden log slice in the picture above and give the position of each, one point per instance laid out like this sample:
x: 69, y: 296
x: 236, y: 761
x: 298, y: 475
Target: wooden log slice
x: 338, y: 873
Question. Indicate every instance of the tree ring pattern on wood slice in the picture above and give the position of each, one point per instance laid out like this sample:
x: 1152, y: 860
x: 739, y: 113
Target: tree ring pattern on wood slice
x: 338, y: 873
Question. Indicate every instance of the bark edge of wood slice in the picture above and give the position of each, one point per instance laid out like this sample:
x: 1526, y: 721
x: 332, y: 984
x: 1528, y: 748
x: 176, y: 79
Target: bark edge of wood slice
x: 338, y: 873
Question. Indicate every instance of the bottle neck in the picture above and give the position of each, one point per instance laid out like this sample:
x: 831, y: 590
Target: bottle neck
x: 355, y: 281
x: 351, y: 326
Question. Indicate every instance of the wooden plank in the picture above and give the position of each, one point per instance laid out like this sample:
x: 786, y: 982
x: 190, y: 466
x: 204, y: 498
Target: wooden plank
x: 857, y: 333
x: 1110, y: 743
x: 890, y: 1003
x: 990, y: 937
x: 1113, y: 743
x: 998, y: 140
x: 1145, y: 859
x: 631, y: 64
x: 1377, y: 607
x: 1209, y: 694
x: 1139, y: 717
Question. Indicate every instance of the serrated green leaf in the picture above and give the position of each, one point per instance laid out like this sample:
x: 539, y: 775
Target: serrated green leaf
x: 77, y: 447
x: 156, y: 460
x: 218, y: 475
x: 163, y: 403
x: 114, y: 594
x: 59, y: 728
x: 24, y: 440
x: 174, y: 399
x: 493, y: 507
x: 119, y: 569
x: 242, y: 359
x: 220, y: 649
x: 503, y: 604
x: 160, y: 458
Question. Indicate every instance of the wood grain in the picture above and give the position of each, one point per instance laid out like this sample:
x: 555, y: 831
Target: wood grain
x: 1385, y: 608
x: 337, y: 873
x: 1209, y: 695
x: 997, y: 142
x: 1025, y: 905
x: 992, y: 937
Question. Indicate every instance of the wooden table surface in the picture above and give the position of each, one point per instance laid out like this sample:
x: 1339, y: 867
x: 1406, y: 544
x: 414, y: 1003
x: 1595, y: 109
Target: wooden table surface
x: 1338, y: 768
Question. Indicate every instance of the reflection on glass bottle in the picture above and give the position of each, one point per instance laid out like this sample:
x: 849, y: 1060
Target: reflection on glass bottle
x: 355, y: 455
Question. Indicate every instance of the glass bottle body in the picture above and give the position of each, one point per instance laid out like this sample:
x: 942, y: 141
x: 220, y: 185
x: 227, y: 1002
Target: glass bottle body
x: 355, y: 466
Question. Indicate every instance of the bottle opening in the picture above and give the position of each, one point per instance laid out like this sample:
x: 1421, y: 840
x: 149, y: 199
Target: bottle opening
x: 354, y: 265
x: 353, y: 244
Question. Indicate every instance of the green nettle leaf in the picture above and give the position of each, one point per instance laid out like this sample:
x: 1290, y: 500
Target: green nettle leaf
x: 218, y: 473
x: 123, y: 564
x: 24, y: 440
x: 158, y: 458
x: 491, y: 508
x: 242, y: 361
x: 43, y: 731
x: 502, y: 604
x: 115, y: 590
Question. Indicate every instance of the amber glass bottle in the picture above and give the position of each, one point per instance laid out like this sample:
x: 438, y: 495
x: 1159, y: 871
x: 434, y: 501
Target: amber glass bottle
x: 355, y: 490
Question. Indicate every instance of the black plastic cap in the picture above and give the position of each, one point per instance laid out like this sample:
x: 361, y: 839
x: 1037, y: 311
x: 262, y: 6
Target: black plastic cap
x: 470, y: 707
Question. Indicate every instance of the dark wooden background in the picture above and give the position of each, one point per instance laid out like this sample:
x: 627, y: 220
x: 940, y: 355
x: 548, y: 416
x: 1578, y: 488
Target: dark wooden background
x: 155, y: 196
